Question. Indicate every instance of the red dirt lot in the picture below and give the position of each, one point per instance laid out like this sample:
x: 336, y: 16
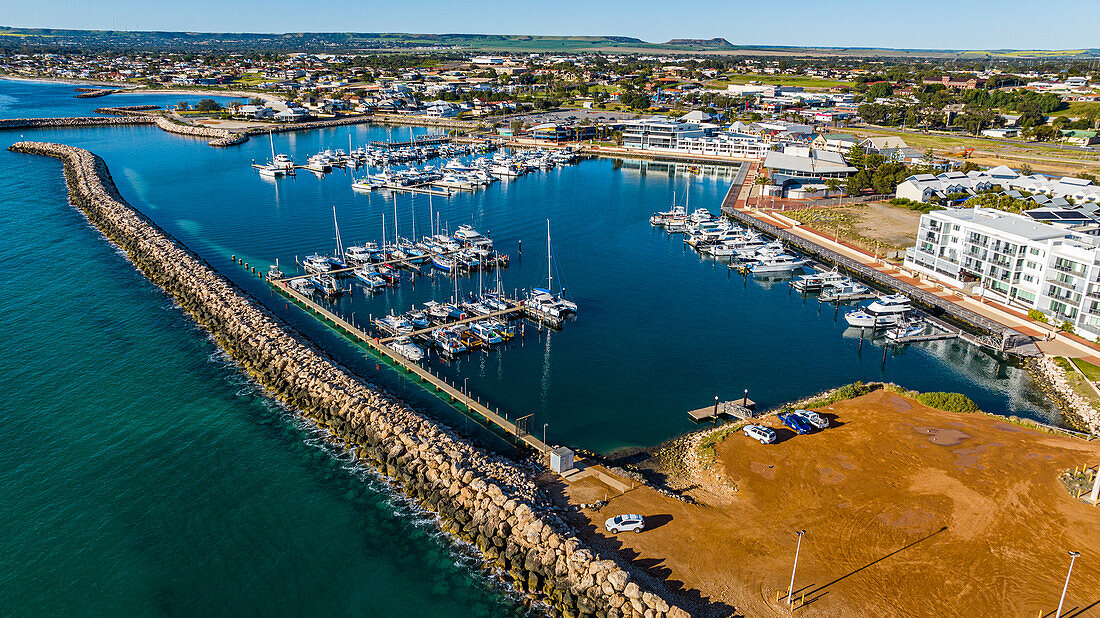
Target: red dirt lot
x: 908, y: 511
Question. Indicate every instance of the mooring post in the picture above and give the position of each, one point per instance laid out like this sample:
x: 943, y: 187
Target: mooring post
x: 860, y: 339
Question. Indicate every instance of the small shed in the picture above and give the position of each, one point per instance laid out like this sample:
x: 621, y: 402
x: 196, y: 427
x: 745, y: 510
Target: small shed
x: 561, y: 459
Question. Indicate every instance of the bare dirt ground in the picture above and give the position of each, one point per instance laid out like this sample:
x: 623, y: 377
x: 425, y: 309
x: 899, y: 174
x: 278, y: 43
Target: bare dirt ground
x: 908, y: 511
x: 891, y: 225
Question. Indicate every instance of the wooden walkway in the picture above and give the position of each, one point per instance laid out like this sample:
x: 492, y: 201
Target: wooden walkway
x: 426, y: 378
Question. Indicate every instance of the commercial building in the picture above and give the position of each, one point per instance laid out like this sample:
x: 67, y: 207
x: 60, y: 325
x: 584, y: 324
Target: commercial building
x: 1013, y: 258
x: 796, y: 166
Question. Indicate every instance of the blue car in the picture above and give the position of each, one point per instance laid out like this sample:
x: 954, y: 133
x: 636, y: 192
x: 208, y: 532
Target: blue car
x: 795, y: 422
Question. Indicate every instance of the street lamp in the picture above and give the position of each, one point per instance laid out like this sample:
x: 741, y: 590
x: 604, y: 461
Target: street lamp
x: 790, y: 590
x: 1072, y: 556
x: 544, y: 426
x: 464, y: 391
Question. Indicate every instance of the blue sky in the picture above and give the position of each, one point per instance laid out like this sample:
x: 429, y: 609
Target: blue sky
x: 924, y: 24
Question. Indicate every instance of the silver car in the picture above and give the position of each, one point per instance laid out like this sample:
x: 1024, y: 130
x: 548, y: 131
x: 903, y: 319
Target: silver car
x: 759, y: 432
x: 813, y: 418
x: 625, y: 523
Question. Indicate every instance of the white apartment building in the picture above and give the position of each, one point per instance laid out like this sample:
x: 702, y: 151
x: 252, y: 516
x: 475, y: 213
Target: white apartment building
x: 1015, y: 259
x: 658, y: 133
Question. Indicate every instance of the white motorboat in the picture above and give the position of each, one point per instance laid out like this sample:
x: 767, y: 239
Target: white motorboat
x: 781, y: 263
x: 316, y: 264
x: 486, y: 333
x: 838, y: 292
x: 892, y: 304
x: 405, y: 347
x: 862, y: 319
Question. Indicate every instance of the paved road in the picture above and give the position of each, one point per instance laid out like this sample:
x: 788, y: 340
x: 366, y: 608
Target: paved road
x: 992, y: 140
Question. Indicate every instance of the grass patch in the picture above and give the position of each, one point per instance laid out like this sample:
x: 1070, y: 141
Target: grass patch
x: 1092, y: 372
x: 949, y: 402
x: 708, y: 446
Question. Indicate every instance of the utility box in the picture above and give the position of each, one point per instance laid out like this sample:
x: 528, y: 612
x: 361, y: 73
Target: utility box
x: 561, y: 459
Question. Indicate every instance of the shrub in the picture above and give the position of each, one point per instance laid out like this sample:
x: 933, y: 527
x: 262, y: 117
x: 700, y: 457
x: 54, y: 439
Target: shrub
x: 1037, y: 315
x: 1066, y: 327
x: 848, y: 391
x: 949, y: 402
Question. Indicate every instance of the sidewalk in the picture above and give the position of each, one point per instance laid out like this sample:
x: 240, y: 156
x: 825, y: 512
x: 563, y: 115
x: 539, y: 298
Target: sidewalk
x: 1061, y: 345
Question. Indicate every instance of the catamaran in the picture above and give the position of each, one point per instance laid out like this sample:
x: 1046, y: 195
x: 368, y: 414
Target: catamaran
x: 543, y: 301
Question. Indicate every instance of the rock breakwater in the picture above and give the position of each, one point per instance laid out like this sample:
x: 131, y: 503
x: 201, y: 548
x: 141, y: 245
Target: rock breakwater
x: 80, y: 121
x: 488, y: 500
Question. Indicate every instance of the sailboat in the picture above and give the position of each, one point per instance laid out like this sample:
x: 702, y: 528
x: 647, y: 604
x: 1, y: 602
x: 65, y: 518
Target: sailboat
x: 337, y: 258
x: 543, y: 301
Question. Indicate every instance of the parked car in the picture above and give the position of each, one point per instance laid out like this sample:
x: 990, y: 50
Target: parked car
x: 795, y: 422
x: 625, y: 523
x: 759, y: 432
x: 813, y: 418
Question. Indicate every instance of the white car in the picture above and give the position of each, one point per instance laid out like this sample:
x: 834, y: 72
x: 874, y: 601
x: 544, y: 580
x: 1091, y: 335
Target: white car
x: 813, y: 418
x: 625, y: 523
x: 759, y: 432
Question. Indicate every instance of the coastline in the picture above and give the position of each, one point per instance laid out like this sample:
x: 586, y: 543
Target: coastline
x: 487, y: 500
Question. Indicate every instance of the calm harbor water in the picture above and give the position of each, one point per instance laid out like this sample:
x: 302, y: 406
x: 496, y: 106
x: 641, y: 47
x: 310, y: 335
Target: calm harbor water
x: 35, y: 99
x: 129, y: 441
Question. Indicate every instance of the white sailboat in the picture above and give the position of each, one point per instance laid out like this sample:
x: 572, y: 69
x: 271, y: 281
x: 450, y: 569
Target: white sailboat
x: 544, y: 301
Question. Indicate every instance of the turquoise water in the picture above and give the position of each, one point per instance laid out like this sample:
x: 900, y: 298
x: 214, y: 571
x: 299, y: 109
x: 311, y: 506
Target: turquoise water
x: 141, y: 470
x: 141, y: 475
x: 31, y: 99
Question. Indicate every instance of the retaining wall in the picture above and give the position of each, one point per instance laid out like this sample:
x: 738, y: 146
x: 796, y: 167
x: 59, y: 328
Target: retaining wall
x: 485, y: 499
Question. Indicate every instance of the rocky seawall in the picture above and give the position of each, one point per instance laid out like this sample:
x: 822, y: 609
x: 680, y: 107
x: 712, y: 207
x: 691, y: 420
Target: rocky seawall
x: 488, y: 500
x: 219, y: 137
x: 127, y: 110
x: 80, y: 121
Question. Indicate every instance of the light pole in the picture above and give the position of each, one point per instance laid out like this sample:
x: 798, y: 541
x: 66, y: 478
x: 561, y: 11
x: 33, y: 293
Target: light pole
x: 464, y: 391
x: 544, y: 426
x: 1072, y: 556
x: 790, y: 590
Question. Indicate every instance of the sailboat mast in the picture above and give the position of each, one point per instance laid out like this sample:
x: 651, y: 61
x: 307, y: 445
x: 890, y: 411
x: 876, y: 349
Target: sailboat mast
x: 549, y: 267
x: 431, y: 216
x: 395, y: 219
x: 339, y: 244
x: 383, y: 234
x: 271, y: 136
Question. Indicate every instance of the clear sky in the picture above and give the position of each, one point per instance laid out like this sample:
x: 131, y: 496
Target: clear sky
x: 924, y: 24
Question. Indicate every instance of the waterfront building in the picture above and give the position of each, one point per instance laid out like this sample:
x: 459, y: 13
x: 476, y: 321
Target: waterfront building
x: 795, y: 166
x: 659, y: 133
x: 1015, y: 259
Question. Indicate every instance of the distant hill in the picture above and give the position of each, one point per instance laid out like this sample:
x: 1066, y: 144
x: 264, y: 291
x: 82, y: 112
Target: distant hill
x: 715, y: 43
x: 51, y: 39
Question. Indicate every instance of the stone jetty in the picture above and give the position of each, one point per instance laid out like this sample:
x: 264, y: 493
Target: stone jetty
x: 80, y: 121
x: 89, y: 93
x: 485, y: 499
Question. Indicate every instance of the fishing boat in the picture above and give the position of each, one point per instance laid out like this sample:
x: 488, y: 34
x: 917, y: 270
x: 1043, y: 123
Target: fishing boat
x: 486, y: 333
x: 316, y: 264
x: 370, y: 278
x: 906, y: 330
x: 419, y: 319
x: 437, y: 312
x: 274, y: 272
x: 394, y: 324
x: 302, y: 286
x: 817, y: 281
x: 327, y: 285
x: 405, y: 347
x: 448, y: 341
x: 507, y: 331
